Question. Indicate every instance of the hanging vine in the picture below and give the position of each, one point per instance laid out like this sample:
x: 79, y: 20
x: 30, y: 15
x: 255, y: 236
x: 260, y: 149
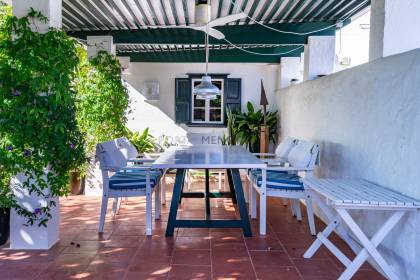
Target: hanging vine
x: 39, y: 136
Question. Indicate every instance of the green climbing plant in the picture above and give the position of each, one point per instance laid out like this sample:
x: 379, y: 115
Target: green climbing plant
x: 39, y: 136
x: 102, y: 99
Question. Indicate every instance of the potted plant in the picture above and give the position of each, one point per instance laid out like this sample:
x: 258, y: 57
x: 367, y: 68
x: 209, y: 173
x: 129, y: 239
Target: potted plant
x: 248, y: 124
x: 39, y: 138
x: 102, y: 103
x: 144, y: 142
x: 6, y: 203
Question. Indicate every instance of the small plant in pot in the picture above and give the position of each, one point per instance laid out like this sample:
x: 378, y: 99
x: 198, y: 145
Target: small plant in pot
x: 39, y: 138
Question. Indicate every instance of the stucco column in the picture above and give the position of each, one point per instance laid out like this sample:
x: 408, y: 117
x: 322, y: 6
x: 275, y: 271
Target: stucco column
x: 99, y: 43
x: 319, y: 57
x: 35, y: 237
x: 290, y: 68
x: 394, y: 27
x: 49, y: 8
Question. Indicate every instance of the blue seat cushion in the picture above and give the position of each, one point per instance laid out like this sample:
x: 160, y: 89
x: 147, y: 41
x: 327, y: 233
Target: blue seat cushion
x: 132, y: 180
x: 257, y: 172
x: 280, y: 181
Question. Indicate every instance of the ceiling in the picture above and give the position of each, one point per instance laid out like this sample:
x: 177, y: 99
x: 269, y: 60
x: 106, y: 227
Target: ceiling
x: 133, y: 23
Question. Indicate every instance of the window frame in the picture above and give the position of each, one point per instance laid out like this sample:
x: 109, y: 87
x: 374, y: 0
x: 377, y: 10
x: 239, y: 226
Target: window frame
x: 207, y: 107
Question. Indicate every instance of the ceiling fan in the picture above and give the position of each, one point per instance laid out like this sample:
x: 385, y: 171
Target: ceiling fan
x: 204, y: 23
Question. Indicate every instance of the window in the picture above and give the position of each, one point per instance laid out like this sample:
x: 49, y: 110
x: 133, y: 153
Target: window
x: 208, y: 111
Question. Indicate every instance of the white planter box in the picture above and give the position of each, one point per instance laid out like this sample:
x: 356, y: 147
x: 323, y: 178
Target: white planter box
x: 32, y: 237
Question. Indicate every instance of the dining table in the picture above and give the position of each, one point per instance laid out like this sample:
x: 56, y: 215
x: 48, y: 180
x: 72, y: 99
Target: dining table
x: 208, y: 157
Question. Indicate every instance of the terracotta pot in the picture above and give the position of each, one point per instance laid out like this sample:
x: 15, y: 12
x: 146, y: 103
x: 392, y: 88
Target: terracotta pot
x: 4, y: 225
x: 75, y: 183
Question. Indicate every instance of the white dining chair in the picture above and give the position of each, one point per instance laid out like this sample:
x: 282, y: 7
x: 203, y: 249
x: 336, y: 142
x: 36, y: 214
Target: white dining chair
x: 123, y: 180
x: 285, y: 181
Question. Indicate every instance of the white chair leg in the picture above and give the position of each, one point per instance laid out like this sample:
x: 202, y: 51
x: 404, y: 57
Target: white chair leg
x: 220, y: 181
x: 298, y: 212
x: 163, y: 190
x: 310, y: 211
x: 104, y: 206
x: 157, y: 202
x: 188, y: 181
x: 115, y: 206
x: 253, y: 202
x: 292, y: 208
x: 148, y: 213
x: 246, y: 190
x: 263, y: 202
x: 263, y: 214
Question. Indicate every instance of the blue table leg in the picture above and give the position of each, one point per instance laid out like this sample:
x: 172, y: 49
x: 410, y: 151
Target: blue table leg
x: 176, y: 195
x: 231, y: 186
x: 246, y: 227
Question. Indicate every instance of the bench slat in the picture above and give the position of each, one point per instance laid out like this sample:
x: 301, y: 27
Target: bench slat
x: 360, y: 193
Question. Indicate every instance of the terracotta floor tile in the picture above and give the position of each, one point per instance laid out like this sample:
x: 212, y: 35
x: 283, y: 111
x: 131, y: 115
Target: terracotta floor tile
x: 73, y: 261
x: 297, y: 251
x: 192, y: 257
x: 269, y: 259
x: 145, y: 276
x: 129, y: 230
x: 267, y: 243
x: 146, y: 264
x: 235, y: 266
x: 124, y: 241
x: 278, y: 273
x: 57, y: 274
x: 83, y: 246
x: 192, y: 243
x: 229, y: 250
x: 187, y: 272
x: 116, y: 255
x: 21, y: 270
x: 316, y: 268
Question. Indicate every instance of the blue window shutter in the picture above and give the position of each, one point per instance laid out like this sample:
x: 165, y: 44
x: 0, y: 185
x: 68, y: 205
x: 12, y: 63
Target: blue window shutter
x: 182, y: 100
x: 233, y: 94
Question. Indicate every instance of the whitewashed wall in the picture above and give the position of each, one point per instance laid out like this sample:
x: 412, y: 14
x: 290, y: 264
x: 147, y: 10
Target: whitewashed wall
x: 367, y: 121
x: 159, y: 115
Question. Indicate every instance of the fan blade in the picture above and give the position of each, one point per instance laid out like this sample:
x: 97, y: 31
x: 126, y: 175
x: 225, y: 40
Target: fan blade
x: 216, y: 34
x: 226, y: 19
x: 211, y: 31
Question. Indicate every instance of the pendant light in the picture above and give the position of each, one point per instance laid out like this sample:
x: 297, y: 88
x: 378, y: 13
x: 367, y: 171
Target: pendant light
x: 206, y: 89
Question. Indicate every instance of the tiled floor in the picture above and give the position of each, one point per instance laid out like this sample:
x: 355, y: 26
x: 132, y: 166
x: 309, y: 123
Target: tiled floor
x: 123, y: 252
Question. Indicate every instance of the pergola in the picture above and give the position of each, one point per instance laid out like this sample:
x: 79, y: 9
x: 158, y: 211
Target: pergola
x: 136, y: 27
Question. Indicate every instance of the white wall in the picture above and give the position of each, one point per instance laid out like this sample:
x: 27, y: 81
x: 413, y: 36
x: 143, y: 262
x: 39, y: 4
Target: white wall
x: 160, y: 115
x: 394, y: 27
x: 354, y: 42
x: 367, y: 121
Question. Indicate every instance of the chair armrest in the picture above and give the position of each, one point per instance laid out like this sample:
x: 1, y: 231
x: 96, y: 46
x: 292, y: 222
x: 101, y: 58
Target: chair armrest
x: 264, y: 154
x: 287, y: 168
x: 140, y: 160
x: 125, y: 168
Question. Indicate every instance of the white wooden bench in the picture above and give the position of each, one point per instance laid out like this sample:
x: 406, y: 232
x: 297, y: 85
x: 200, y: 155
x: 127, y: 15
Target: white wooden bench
x: 346, y: 194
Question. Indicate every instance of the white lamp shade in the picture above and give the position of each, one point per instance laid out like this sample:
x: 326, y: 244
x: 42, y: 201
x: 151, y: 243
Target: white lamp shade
x: 206, y: 90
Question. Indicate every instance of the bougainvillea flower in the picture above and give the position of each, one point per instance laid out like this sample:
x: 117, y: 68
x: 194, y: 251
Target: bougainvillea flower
x: 9, y: 148
x: 16, y: 92
x: 26, y: 153
x: 37, y: 211
x: 72, y: 146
